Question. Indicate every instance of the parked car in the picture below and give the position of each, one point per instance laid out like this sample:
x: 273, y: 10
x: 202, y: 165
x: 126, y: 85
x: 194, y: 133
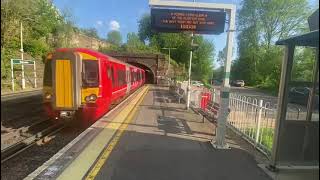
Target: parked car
x: 197, y: 83
x: 217, y: 82
x: 300, y: 95
x: 238, y: 83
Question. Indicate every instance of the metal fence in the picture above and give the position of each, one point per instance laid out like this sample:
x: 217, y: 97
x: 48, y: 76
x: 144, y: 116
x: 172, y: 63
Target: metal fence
x: 254, y: 119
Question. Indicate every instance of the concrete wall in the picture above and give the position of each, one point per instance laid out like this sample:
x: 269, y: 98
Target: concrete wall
x: 81, y: 40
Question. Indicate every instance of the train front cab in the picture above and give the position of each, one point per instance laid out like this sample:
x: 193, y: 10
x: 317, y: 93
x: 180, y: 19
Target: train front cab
x: 72, y: 87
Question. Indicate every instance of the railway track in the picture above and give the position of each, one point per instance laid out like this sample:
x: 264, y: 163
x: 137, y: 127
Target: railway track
x: 6, y: 136
x: 20, y: 146
x: 21, y: 94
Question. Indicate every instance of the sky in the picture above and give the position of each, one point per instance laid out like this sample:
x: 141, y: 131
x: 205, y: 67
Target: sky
x: 123, y: 15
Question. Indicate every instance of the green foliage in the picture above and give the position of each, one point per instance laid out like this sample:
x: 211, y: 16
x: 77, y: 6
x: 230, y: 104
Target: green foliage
x: 303, y: 64
x: 91, y: 32
x: 266, y: 135
x: 36, y: 47
x: 202, y: 61
x: 39, y: 19
x: 261, y: 23
x: 145, y: 33
x: 135, y: 45
x: 114, y: 37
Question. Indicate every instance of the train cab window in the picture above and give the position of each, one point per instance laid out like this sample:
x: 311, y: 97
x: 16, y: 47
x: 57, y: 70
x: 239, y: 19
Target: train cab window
x: 47, y: 79
x: 90, y: 73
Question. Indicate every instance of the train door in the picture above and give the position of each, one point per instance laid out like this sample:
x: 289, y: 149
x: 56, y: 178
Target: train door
x: 128, y: 79
x: 66, y: 70
x: 107, y: 85
x: 112, y: 81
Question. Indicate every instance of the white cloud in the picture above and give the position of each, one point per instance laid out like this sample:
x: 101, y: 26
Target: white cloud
x: 99, y: 23
x: 114, y: 25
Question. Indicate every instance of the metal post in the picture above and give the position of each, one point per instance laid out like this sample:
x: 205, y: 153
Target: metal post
x: 168, y: 70
x: 286, y: 70
x: 224, y: 94
x: 22, y: 65
x: 259, y: 122
x: 35, y: 74
x: 189, y: 79
x: 169, y: 63
x: 12, y: 76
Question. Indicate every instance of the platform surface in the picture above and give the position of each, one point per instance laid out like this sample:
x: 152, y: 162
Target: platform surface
x: 161, y: 141
x: 165, y: 141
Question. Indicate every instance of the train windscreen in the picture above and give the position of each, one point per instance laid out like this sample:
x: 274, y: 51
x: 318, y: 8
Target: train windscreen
x: 90, y: 73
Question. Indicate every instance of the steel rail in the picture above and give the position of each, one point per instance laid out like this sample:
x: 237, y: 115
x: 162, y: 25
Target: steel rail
x: 22, y: 145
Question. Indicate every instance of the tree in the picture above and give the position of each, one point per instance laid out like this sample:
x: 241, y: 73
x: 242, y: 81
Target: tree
x: 135, y: 45
x: 145, y: 33
x: 91, y: 32
x: 261, y: 23
x: 202, y: 62
x: 114, y: 37
x: 274, y: 19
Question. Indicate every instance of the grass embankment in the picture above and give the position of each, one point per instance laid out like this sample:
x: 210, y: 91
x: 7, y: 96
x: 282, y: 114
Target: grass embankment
x: 266, y: 133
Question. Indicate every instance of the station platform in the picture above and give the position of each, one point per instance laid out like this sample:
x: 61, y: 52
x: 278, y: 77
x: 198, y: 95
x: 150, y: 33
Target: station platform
x: 151, y: 136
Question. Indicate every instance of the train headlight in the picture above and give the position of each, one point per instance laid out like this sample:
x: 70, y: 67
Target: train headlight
x: 91, y: 98
x: 48, y: 96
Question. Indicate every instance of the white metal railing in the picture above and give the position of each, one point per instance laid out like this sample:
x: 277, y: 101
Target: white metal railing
x: 253, y: 119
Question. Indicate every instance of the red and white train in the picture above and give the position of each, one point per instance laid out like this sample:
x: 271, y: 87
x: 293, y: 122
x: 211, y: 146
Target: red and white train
x: 83, y: 83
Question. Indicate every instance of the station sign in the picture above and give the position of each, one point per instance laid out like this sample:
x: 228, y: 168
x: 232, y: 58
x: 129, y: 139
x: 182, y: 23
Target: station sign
x: 197, y: 21
x: 19, y: 61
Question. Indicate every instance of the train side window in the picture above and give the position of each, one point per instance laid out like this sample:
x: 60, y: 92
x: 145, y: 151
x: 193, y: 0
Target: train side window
x: 124, y: 77
x: 121, y: 77
x: 132, y: 77
x: 110, y: 75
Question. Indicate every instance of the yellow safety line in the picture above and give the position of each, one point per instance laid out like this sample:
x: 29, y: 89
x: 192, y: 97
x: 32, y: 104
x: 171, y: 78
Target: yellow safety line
x: 106, y: 153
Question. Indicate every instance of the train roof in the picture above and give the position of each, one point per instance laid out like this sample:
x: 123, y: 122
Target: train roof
x: 96, y: 54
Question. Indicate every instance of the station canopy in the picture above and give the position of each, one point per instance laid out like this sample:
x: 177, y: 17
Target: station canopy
x: 310, y: 39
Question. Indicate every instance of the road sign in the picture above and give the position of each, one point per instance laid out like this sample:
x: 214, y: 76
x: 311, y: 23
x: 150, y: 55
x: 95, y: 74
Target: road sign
x: 177, y: 20
x: 26, y: 62
x: 22, y: 63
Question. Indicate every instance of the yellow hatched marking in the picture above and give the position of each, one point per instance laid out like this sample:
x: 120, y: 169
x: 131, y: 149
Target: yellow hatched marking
x: 87, y: 56
x: 88, y: 91
x: 106, y: 153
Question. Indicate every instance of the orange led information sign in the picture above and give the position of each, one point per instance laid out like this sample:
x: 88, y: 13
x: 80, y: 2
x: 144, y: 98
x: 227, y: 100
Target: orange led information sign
x: 175, y: 20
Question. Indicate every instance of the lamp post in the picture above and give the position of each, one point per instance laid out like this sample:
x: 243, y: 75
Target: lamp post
x: 169, y: 58
x: 22, y: 64
x: 193, y: 47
